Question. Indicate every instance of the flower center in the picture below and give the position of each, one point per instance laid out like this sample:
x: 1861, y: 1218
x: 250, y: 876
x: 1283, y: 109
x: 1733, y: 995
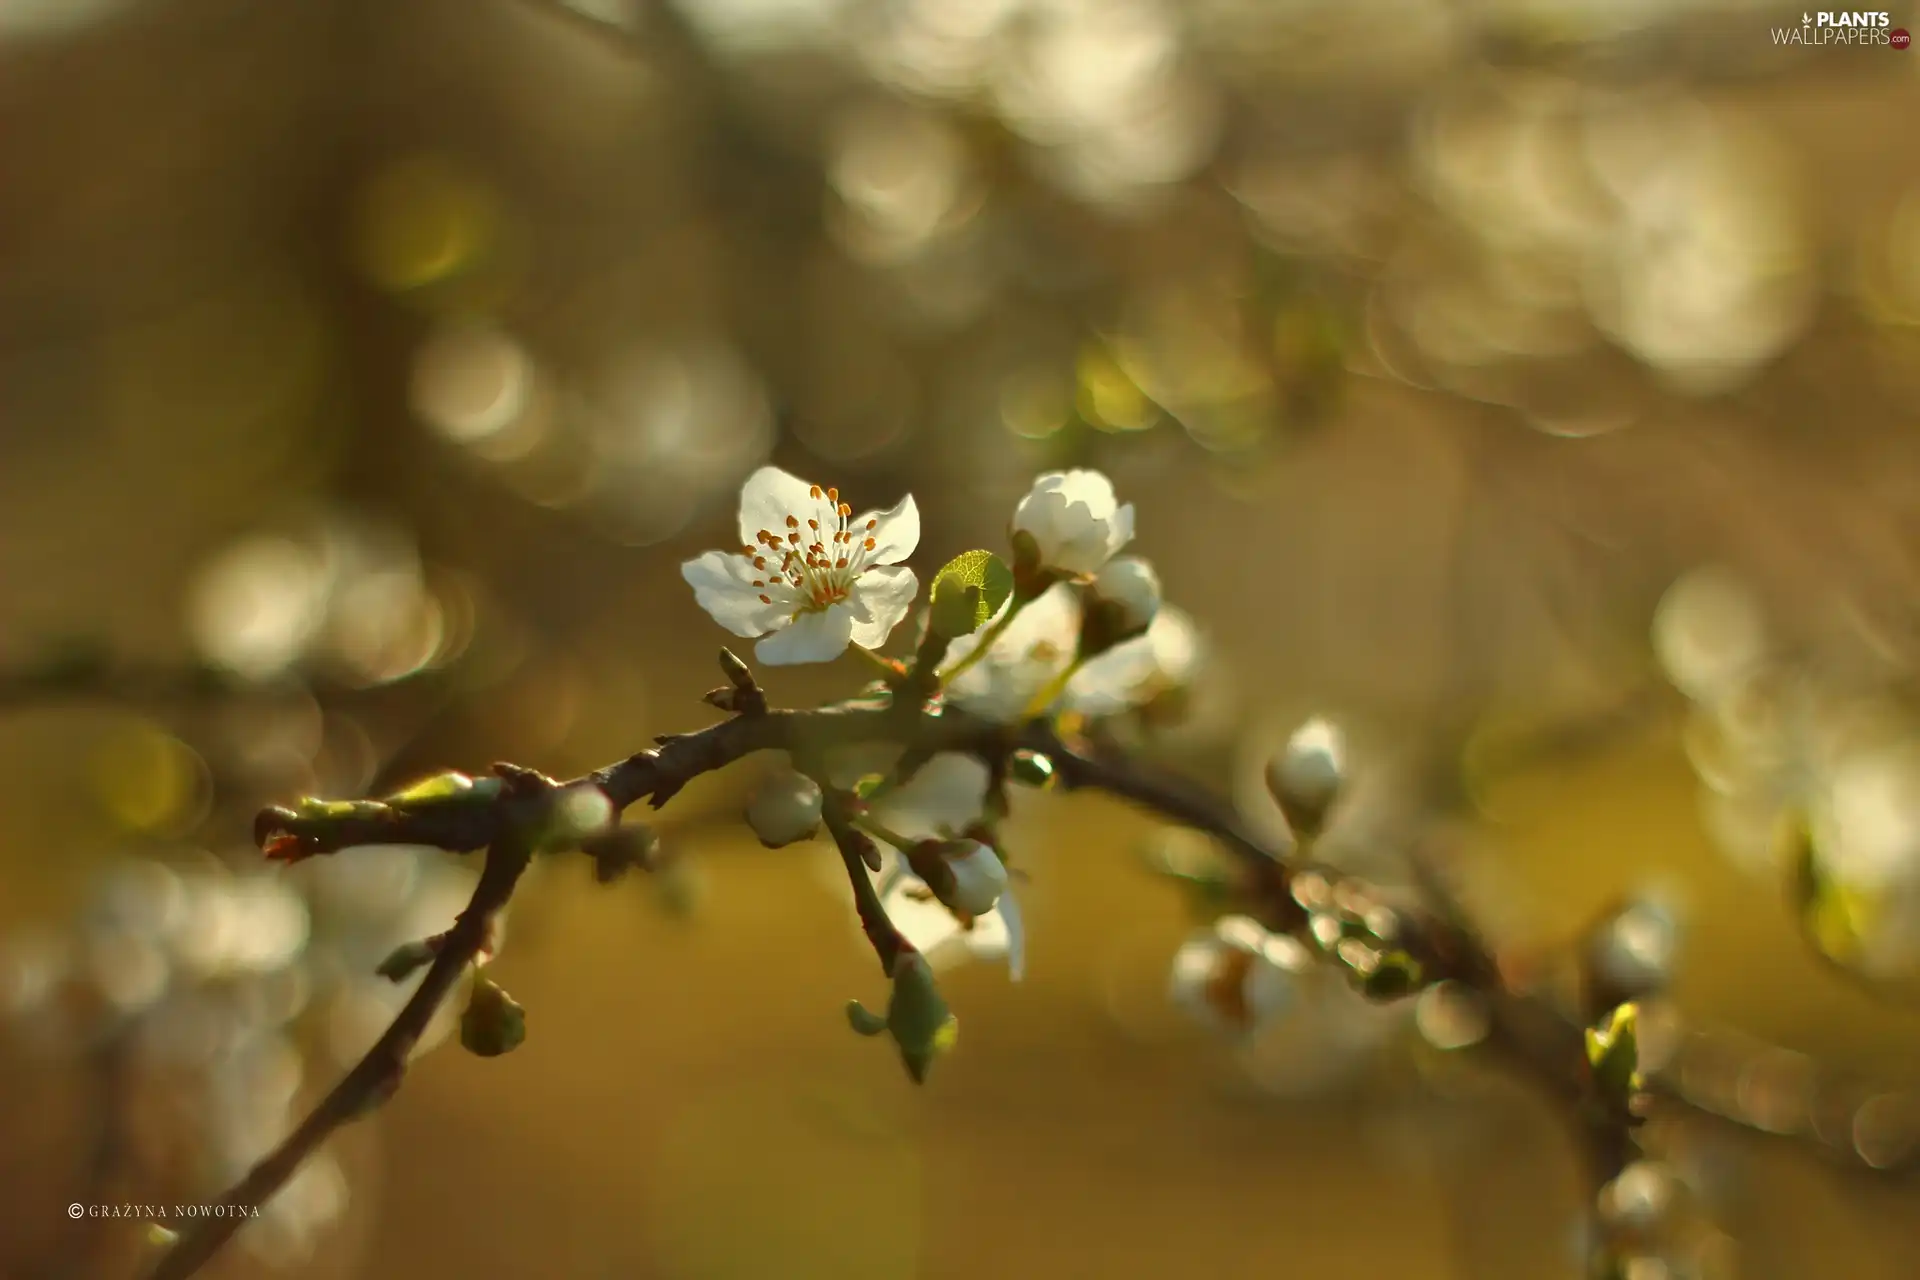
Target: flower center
x: 817, y: 556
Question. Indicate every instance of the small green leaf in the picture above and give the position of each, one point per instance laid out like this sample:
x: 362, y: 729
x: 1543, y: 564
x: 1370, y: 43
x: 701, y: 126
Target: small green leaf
x: 863, y: 1020
x: 1834, y: 916
x: 1613, y: 1051
x: 968, y: 591
x: 441, y: 786
x: 338, y: 810
x: 917, y: 1015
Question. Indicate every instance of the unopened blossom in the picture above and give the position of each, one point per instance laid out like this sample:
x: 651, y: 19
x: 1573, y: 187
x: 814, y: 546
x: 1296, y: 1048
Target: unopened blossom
x: 1130, y: 584
x: 785, y: 809
x: 1307, y: 775
x: 966, y: 875
x: 810, y: 577
x: 943, y: 937
x: 1070, y: 523
x: 1121, y: 603
x: 943, y: 799
x: 1236, y: 977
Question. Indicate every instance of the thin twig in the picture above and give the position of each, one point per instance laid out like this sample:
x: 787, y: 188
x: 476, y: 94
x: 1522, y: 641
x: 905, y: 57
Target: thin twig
x: 372, y: 1080
x: 856, y: 855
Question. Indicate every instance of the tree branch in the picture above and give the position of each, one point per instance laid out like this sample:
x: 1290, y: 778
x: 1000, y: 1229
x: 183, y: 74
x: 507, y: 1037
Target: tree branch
x: 374, y: 1078
x: 1300, y: 897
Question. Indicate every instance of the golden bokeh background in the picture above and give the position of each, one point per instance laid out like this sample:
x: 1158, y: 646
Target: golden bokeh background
x: 1502, y: 371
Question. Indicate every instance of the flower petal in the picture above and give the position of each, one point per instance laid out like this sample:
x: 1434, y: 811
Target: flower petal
x: 944, y: 797
x: 1120, y: 528
x: 921, y: 920
x: 895, y: 534
x: 1115, y: 680
x: 1008, y: 909
x: 879, y: 600
x: 721, y: 587
x: 768, y: 497
x: 814, y: 636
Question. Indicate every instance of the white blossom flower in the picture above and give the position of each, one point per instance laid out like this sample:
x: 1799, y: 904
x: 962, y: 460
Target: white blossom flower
x: 1131, y: 589
x: 810, y: 576
x: 945, y: 796
x: 1236, y: 977
x: 1075, y: 522
x: 1038, y: 646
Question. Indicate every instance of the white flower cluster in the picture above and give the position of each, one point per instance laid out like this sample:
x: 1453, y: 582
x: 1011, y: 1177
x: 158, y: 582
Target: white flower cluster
x: 1084, y: 631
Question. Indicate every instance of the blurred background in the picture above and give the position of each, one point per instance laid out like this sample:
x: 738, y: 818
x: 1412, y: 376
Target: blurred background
x: 1527, y: 384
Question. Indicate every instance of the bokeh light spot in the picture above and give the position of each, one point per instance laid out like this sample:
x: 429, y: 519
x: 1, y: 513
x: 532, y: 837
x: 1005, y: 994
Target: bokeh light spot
x: 422, y: 220
x: 149, y: 781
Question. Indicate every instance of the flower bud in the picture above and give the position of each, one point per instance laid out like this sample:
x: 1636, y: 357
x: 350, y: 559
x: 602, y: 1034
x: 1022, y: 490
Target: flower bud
x: 1307, y: 776
x: 1067, y: 526
x: 917, y: 1017
x: 494, y: 1023
x: 1133, y: 588
x: 966, y: 875
x: 785, y: 810
x: 1121, y: 604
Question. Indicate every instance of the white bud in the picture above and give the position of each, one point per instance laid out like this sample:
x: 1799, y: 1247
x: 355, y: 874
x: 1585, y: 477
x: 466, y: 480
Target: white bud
x: 1306, y: 777
x: 785, y: 810
x: 979, y: 877
x: 1073, y: 521
x: 1131, y: 588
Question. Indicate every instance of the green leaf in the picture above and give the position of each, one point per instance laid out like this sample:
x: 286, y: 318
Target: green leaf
x: 863, y: 1020
x: 1833, y: 916
x: 314, y: 809
x: 968, y: 591
x: 1613, y: 1050
x: 441, y: 786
